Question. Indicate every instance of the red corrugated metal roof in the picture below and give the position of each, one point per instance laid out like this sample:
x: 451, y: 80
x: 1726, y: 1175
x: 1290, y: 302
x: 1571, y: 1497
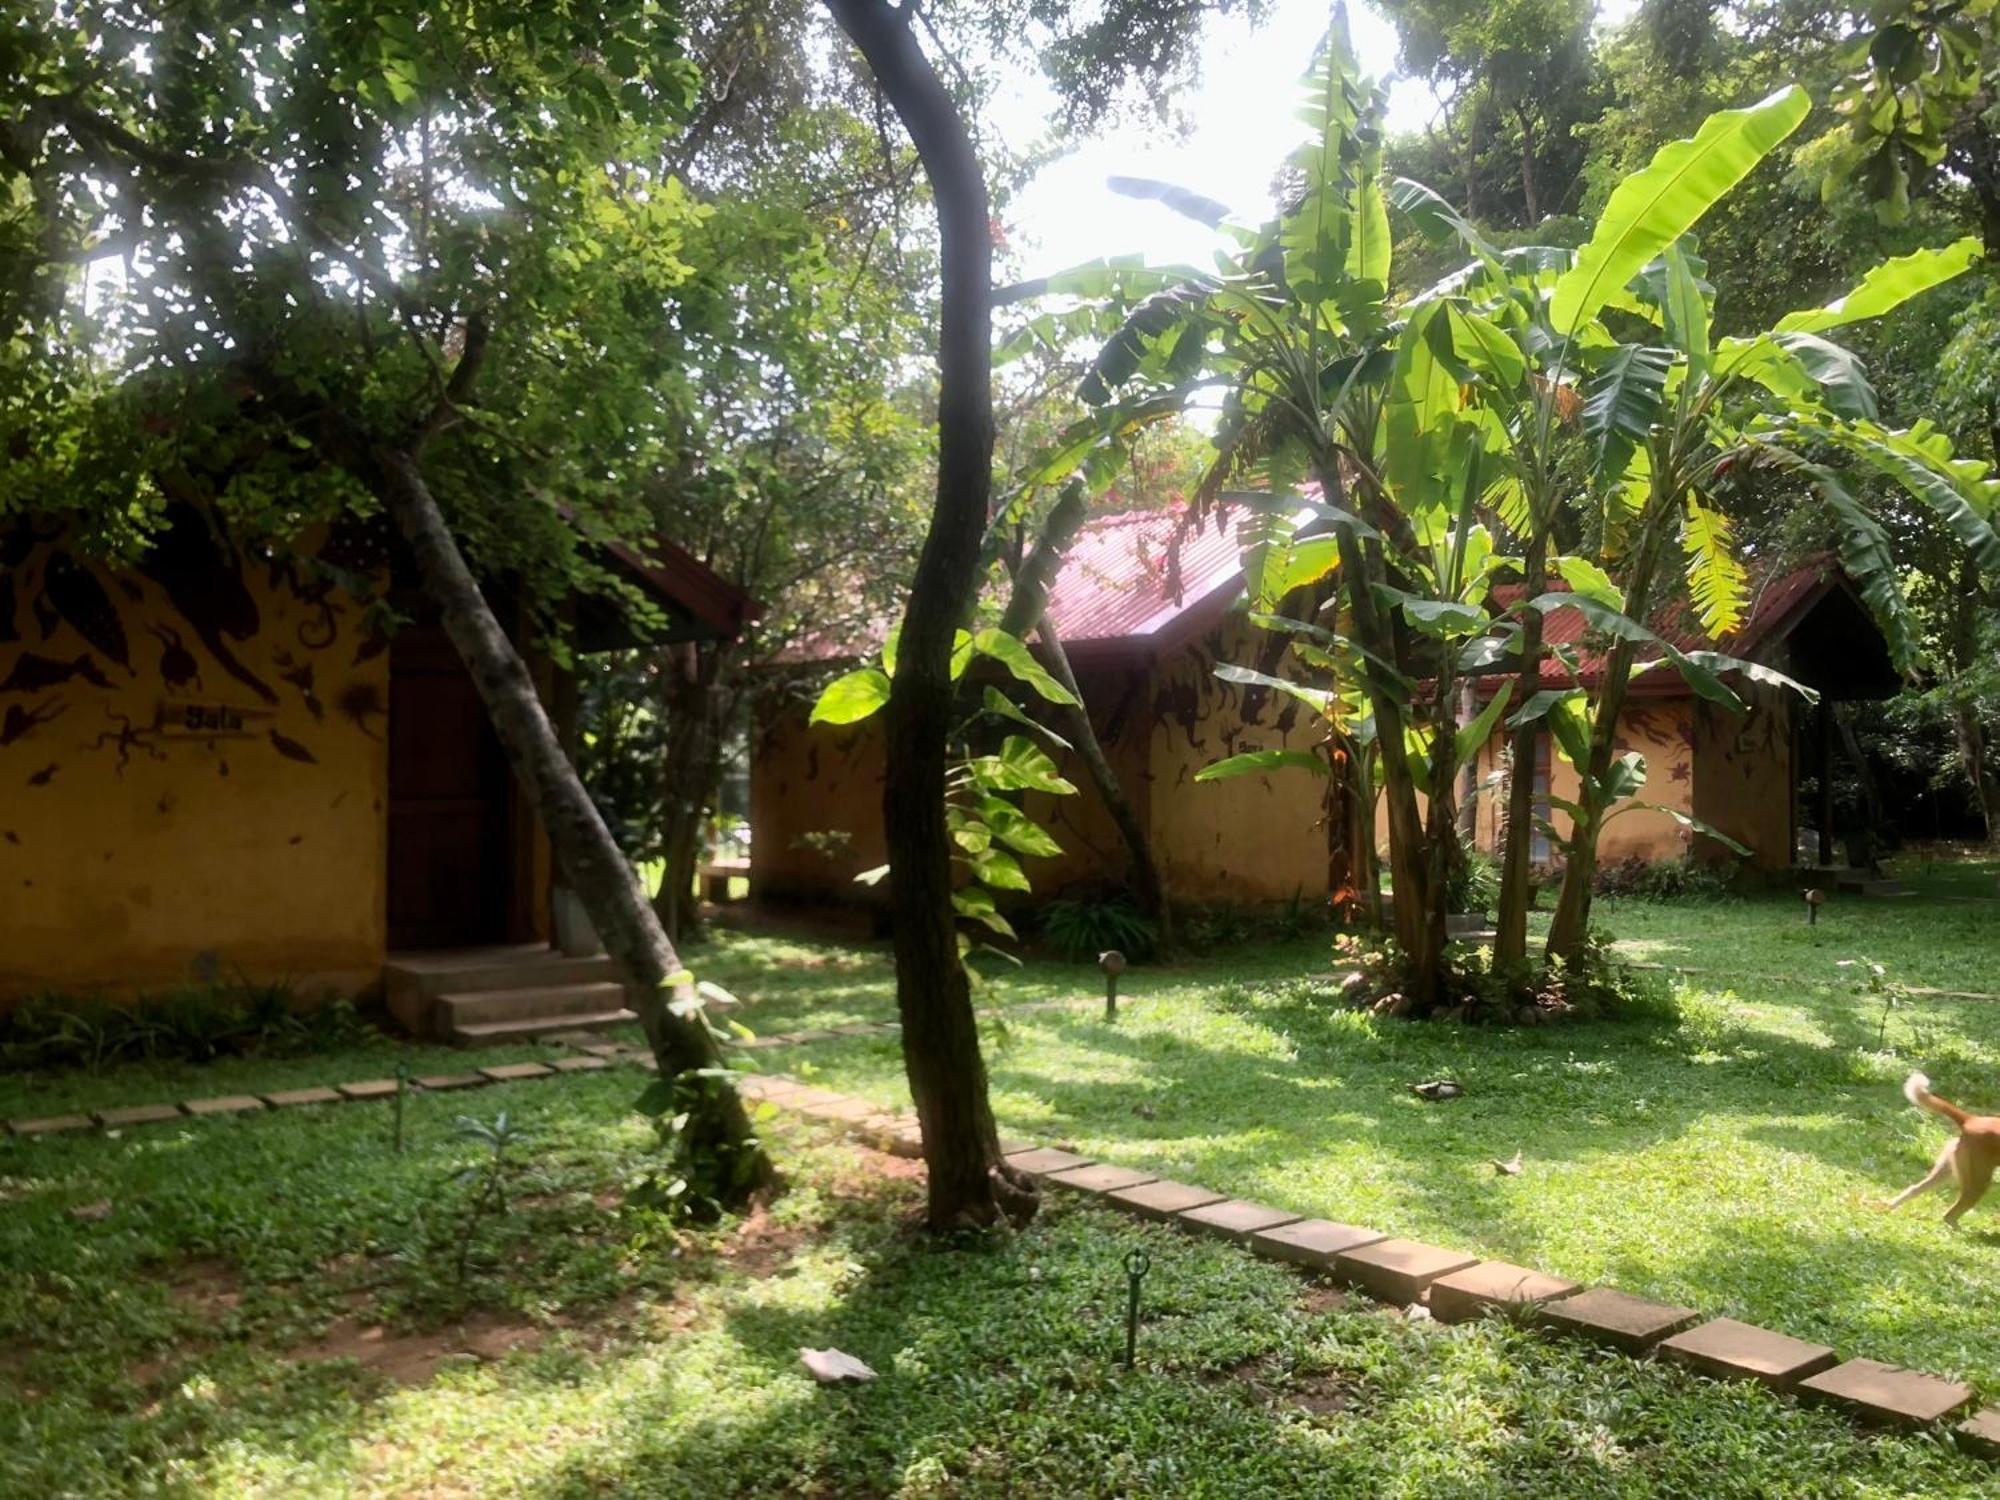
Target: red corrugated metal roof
x: 1123, y: 584
x: 1124, y: 580
x: 1772, y: 605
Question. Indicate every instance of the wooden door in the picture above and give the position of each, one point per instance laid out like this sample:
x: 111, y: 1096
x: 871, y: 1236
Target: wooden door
x: 448, y: 843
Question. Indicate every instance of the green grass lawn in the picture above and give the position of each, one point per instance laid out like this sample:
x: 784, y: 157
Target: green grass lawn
x: 266, y: 1308
x: 1728, y: 1155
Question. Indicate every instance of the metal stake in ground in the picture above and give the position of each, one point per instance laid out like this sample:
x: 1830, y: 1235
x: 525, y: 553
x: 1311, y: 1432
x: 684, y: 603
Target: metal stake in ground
x: 402, y: 1086
x: 1112, y: 962
x: 1137, y: 1264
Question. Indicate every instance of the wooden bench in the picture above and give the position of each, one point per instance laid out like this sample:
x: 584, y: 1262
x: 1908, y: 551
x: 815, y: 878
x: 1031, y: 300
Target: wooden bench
x: 716, y: 874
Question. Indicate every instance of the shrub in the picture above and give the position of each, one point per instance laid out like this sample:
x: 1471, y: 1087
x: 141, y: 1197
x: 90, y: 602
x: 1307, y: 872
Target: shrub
x: 195, y: 1023
x: 1081, y: 927
x: 1681, y: 879
x: 1475, y: 884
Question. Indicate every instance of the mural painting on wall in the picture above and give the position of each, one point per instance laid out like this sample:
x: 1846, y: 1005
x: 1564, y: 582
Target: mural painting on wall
x: 187, y: 626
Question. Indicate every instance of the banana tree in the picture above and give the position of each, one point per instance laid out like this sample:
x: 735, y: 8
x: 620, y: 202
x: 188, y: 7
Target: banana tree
x: 1663, y: 421
x: 1618, y: 442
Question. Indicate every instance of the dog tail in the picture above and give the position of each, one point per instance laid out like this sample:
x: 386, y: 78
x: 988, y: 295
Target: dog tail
x: 1917, y: 1089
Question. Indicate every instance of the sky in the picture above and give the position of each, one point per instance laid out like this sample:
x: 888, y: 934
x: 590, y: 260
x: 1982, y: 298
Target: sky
x: 1244, y: 125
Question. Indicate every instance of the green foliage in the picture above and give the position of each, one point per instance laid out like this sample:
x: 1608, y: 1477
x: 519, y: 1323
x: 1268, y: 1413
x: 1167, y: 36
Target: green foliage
x: 1683, y: 879
x: 989, y: 832
x: 197, y: 1023
x: 1081, y: 927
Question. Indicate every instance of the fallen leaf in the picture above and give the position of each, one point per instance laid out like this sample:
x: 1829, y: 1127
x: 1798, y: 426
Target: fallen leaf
x: 832, y: 1367
x: 101, y: 1209
x: 1436, y: 1089
x: 1510, y: 1168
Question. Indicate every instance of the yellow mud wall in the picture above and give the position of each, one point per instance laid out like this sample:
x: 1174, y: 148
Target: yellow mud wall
x: 1662, y: 730
x: 809, y: 785
x: 1743, y: 779
x: 1249, y: 838
x: 1093, y: 850
x: 192, y: 772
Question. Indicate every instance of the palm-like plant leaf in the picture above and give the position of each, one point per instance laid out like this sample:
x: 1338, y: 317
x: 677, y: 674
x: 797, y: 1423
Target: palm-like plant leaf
x: 1183, y: 201
x: 1960, y: 492
x: 1716, y: 581
x: 1888, y: 286
x: 1866, y: 557
x: 1623, y: 401
x: 1657, y: 205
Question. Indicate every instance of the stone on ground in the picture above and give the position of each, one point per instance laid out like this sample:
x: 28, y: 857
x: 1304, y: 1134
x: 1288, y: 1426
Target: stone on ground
x: 439, y: 1083
x: 580, y: 1064
x: 512, y: 1072
x: 293, y: 1098
x: 1398, y: 1270
x: 1731, y: 1350
x: 1233, y: 1218
x: 224, y: 1104
x: 1981, y: 1431
x: 1311, y: 1242
x: 1163, y: 1199
x: 1046, y: 1159
x: 368, y: 1088
x: 49, y: 1124
x: 138, y: 1114
x: 1876, y: 1392
x: 1619, y: 1319
x: 1492, y: 1284
x: 1099, y: 1180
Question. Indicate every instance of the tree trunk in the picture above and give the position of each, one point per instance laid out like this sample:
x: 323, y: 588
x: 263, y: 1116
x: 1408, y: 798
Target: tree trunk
x: 1530, y: 197
x: 1421, y: 941
x: 690, y: 699
x: 1146, y: 882
x: 1571, y: 923
x: 970, y: 1184
x: 718, y: 1131
x: 1517, y: 876
x: 1965, y: 711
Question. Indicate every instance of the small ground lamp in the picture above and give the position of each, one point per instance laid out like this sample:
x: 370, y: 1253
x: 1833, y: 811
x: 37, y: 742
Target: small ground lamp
x: 1815, y: 899
x: 1112, y: 962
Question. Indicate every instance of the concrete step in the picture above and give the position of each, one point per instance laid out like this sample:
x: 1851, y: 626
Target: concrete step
x: 520, y: 1027
x: 541, y: 1000
x: 470, y: 970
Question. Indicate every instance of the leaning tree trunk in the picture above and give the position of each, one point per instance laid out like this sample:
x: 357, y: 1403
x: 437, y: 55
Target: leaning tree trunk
x: 1027, y: 610
x: 1146, y: 882
x: 717, y: 1131
x: 970, y: 1183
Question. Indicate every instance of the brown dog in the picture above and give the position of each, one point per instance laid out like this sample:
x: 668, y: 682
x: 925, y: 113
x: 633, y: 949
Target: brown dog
x: 1970, y: 1158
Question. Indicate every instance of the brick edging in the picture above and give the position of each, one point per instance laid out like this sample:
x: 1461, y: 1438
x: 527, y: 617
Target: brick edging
x: 1453, y: 1286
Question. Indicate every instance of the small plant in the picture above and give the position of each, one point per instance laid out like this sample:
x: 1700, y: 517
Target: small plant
x: 1681, y: 879
x: 1080, y: 928
x: 1875, y: 983
x: 490, y: 1180
x: 1475, y: 884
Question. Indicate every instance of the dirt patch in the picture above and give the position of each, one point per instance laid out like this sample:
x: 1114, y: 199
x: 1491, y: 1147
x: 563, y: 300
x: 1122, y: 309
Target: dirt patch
x: 1319, y: 1394
x: 761, y: 1247
x: 207, y: 1286
x: 414, y: 1358
x: 1319, y: 1298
